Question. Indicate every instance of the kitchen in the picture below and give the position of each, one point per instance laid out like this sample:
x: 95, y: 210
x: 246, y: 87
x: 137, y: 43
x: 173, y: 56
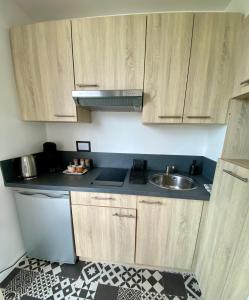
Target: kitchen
x: 144, y: 102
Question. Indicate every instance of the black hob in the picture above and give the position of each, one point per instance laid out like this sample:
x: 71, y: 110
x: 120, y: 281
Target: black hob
x: 111, y: 177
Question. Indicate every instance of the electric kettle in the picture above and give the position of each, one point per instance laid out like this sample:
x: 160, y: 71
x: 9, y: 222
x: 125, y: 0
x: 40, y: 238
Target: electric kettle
x: 28, y: 167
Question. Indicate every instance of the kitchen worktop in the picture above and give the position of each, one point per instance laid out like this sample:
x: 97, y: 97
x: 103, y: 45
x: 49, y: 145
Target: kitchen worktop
x: 59, y: 181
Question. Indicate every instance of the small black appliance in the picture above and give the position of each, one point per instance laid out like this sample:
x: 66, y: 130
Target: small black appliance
x: 138, y: 172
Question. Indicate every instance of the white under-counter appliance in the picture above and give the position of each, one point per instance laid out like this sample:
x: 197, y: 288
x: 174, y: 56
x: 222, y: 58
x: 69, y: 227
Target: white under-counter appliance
x: 46, y: 224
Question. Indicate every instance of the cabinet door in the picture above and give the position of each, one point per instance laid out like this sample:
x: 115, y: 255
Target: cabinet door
x: 212, y: 65
x: 168, y: 45
x: 227, y: 211
x: 42, y: 56
x: 167, y: 231
x: 242, y: 67
x: 109, y: 52
x: 236, y: 286
x: 104, y: 233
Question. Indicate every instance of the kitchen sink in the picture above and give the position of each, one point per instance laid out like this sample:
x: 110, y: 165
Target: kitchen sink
x: 173, y: 182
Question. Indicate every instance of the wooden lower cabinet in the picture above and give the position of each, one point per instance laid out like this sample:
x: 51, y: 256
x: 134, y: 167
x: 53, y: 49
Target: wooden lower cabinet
x: 160, y: 232
x: 104, y: 233
x: 167, y: 231
x: 221, y: 237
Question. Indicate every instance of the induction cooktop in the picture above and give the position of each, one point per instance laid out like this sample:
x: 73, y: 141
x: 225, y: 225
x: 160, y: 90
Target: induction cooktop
x: 111, y: 177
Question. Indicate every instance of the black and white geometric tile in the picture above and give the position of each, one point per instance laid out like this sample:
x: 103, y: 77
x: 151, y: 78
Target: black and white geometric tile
x: 131, y: 278
x: 192, y: 286
x: 152, y: 281
x: 128, y: 294
x: 41, y: 280
x: 112, y: 275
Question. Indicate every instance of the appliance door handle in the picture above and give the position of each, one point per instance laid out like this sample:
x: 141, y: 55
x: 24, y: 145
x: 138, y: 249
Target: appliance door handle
x: 42, y: 194
x: 124, y: 216
x: 151, y: 203
x: 244, y: 179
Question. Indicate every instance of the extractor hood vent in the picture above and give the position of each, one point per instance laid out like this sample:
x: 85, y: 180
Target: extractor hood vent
x: 110, y: 100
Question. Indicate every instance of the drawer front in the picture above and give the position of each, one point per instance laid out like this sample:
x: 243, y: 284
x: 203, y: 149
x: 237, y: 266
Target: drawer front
x: 104, y: 199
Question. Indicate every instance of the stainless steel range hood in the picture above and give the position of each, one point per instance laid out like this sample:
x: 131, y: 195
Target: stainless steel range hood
x: 110, y: 100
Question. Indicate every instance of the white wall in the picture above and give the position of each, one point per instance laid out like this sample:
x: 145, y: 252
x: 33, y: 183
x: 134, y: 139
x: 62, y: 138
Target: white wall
x: 125, y: 133
x: 16, y: 137
x: 239, y: 6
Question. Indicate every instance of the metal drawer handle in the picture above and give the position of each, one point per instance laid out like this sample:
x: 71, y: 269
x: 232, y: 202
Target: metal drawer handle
x: 124, y: 216
x: 86, y: 85
x: 99, y: 198
x: 64, y: 116
x: 235, y: 175
x: 246, y: 82
x: 151, y: 203
x: 168, y: 117
x: 199, y: 117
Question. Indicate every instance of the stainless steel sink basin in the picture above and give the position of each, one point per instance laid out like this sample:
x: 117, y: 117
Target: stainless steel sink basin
x: 173, y: 182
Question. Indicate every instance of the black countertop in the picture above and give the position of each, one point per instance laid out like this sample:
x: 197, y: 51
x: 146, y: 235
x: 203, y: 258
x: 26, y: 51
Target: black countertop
x: 61, y: 182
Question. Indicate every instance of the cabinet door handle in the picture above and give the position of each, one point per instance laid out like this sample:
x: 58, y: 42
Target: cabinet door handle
x: 102, y: 198
x: 81, y: 85
x: 124, y: 216
x: 151, y: 203
x: 168, y: 117
x: 64, y: 116
x: 235, y: 175
x: 245, y: 82
x: 199, y: 117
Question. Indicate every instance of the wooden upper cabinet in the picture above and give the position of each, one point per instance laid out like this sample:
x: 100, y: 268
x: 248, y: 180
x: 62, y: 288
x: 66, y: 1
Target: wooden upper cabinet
x: 42, y: 56
x: 168, y: 45
x: 241, y: 89
x: 109, y: 52
x: 211, y: 69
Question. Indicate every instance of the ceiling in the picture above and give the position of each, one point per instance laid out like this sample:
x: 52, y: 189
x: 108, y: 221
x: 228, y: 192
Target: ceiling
x: 41, y: 10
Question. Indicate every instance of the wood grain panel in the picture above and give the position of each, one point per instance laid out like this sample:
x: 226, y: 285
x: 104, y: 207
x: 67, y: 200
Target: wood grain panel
x: 212, y: 65
x: 42, y: 56
x: 104, y: 233
x: 236, y: 286
x: 227, y: 211
x: 109, y: 52
x: 168, y: 45
x: 104, y: 199
x: 241, y: 87
x: 236, y: 145
x: 167, y: 231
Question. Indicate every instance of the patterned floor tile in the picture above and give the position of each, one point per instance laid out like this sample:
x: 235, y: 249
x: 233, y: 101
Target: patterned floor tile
x: 63, y: 288
x: 128, y: 294
x: 153, y: 296
x: 131, y: 278
x: 112, y: 275
x: 41, y: 286
x: 152, y: 281
x: 106, y: 292
x: 52, y: 269
x: 91, y: 272
x: 192, y: 286
x: 174, y: 285
x: 20, y: 284
x: 33, y: 264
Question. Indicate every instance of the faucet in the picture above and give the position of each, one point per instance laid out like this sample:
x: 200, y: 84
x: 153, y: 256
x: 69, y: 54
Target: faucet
x: 169, y: 170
